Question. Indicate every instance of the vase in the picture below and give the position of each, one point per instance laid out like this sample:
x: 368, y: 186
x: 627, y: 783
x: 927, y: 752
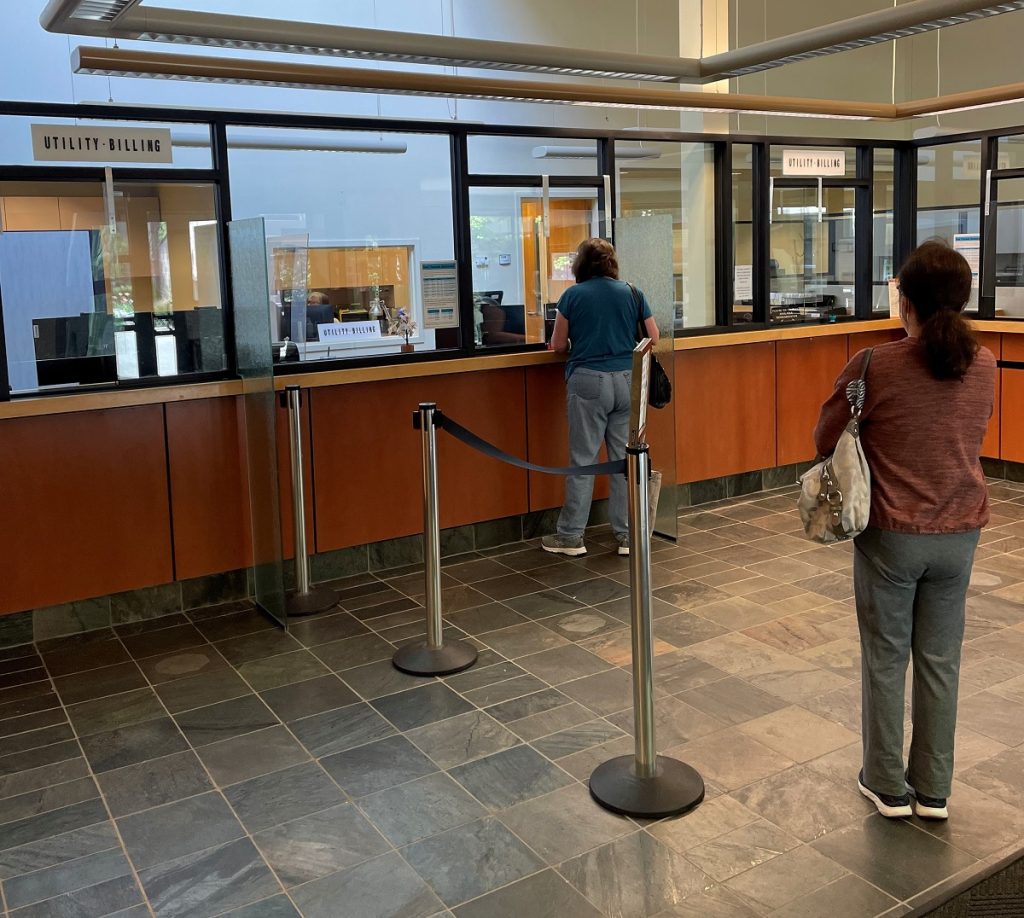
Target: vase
x: 408, y: 348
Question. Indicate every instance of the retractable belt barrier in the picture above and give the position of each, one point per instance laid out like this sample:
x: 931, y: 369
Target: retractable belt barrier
x: 445, y: 423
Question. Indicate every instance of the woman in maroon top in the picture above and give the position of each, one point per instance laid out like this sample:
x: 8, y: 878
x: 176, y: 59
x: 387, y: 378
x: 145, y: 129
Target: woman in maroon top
x: 929, y: 399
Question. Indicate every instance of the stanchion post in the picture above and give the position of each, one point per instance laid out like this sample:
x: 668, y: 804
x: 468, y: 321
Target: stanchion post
x: 432, y: 657
x: 306, y: 599
x: 644, y: 784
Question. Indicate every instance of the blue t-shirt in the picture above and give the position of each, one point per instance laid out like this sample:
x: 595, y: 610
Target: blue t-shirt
x: 603, y: 319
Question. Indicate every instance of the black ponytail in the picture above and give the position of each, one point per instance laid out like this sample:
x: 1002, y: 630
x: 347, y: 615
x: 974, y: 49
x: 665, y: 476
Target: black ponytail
x: 937, y: 280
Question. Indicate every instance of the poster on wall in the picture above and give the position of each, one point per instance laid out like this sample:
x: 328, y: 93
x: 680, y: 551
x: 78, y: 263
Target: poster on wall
x: 969, y: 245
x: 440, y: 284
x: 743, y: 282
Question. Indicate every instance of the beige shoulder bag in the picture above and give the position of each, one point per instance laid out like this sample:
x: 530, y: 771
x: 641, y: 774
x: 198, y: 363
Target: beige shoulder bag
x: 835, y: 494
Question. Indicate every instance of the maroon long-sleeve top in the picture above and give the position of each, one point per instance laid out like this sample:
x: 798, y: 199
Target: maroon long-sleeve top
x: 921, y: 436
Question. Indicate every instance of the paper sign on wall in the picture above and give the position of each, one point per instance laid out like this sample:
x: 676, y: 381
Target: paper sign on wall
x: 969, y: 245
x: 743, y: 283
x: 894, y: 298
x: 58, y: 143
x: 440, y: 283
x: 814, y: 162
x: 348, y: 331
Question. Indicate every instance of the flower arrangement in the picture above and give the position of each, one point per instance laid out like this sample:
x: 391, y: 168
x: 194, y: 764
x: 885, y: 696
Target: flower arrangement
x: 401, y: 323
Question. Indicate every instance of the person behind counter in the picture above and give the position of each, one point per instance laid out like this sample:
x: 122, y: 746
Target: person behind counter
x: 929, y: 398
x: 599, y: 316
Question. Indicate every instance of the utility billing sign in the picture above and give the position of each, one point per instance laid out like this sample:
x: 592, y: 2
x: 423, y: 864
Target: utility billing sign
x: 57, y: 143
x: 814, y: 162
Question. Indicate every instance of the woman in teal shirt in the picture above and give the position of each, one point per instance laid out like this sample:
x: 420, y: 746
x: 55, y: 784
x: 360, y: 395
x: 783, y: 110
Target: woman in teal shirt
x: 596, y: 326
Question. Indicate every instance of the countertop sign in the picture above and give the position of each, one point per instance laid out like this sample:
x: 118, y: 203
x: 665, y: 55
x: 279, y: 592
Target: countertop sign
x: 814, y: 162
x: 58, y: 143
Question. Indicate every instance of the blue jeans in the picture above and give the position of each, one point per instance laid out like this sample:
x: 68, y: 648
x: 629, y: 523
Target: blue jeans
x: 598, y: 406
x: 911, y: 595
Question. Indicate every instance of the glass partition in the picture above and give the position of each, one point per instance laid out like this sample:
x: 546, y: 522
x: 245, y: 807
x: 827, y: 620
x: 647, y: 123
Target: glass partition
x: 377, y: 210
x: 949, y: 198
x: 93, y: 297
x: 502, y: 155
x: 743, y: 232
x: 677, y: 180
x: 521, y: 266
x: 882, y: 229
x: 1009, y: 248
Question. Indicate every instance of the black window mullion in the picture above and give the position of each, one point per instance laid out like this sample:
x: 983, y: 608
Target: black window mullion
x: 724, y: 233
x: 863, y: 236
x: 760, y: 211
x: 463, y: 239
x: 987, y: 230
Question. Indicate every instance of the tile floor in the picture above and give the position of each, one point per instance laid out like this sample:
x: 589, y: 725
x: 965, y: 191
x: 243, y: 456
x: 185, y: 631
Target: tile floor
x: 211, y: 764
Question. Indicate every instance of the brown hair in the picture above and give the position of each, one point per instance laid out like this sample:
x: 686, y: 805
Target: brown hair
x: 595, y: 258
x: 937, y: 281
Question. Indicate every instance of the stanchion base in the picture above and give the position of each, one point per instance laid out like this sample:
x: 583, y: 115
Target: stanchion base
x: 675, y: 789
x: 421, y: 660
x: 315, y: 601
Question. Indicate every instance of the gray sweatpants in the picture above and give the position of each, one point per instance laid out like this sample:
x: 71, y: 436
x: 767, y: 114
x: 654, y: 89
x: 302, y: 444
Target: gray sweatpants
x: 598, y: 406
x: 911, y: 594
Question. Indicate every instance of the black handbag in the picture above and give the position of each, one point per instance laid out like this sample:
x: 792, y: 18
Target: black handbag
x: 659, y: 392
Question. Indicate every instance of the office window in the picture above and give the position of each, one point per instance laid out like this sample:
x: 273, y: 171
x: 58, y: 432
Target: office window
x: 678, y: 180
x: 949, y: 197
x: 503, y: 155
x: 883, y: 194
x: 743, y: 233
x: 361, y: 239
x: 91, y: 297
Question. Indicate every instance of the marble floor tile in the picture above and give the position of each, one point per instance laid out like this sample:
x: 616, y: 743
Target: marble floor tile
x: 377, y: 766
x: 317, y: 845
x: 804, y: 803
x: 470, y: 861
x: 561, y: 825
x: 462, y: 739
x: 635, y: 875
x: 420, y: 808
x: 741, y: 849
x: 384, y: 887
x: 797, y: 733
x: 541, y: 895
x: 893, y: 855
x: 509, y: 777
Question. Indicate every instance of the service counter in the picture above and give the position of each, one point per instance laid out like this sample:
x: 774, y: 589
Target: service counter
x: 116, y: 491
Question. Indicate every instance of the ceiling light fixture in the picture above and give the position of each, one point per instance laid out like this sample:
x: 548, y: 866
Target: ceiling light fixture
x: 274, y: 140
x: 589, y: 151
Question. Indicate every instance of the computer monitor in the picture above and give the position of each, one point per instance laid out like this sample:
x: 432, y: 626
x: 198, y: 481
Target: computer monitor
x: 495, y: 295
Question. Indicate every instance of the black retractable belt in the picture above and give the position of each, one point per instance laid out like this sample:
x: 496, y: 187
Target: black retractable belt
x: 444, y: 422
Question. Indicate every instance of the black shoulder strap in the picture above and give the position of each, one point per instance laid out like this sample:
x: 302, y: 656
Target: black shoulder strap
x: 639, y: 303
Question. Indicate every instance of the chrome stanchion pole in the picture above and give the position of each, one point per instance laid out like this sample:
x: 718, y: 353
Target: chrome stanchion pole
x: 306, y: 599
x: 643, y: 784
x: 432, y: 657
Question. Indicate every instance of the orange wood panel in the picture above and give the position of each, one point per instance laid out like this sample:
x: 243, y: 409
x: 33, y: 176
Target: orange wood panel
x: 1012, y: 416
x: 31, y: 213
x: 209, y: 493
x: 862, y: 340
x: 548, y: 436
x: 366, y: 457
x: 85, y: 506
x: 990, y: 448
x: 725, y: 411
x: 806, y: 373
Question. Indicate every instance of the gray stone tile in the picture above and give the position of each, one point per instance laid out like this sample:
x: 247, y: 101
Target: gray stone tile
x: 545, y: 723
x: 519, y: 640
x: 508, y: 586
x: 34, y: 802
x: 36, y: 720
x: 787, y: 877
x: 257, y: 646
x: 55, y: 822
x: 980, y: 825
x: 64, y: 660
x: 115, y: 711
x: 679, y: 671
x: 224, y: 720
x: 317, y: 845
x: 153, y: 783
x: 284, y: 669
x: 385, y: 887
x: 595, y: 591
x: 44, y: 776
x: 34, y: 739
x: 327, y: 628
x: 461, y: 739
x: 1001, y: 776
x: 377, y: 766
x: 716, y: 902
x: 374, y: 680
x: 214, y: 589
x: 847, y: 897
x: 213, y: 686
x: 16, y: 629
x: 583, y: 624
x: 518, y: 708
x: 274, y: 907
x: 685, y: 628
x: 470, y: 861
x: 97, y: 683
x: 490, y: 617
x: 177, y: 829
x: 635, y: 875
x: 282, y: 796
x: 605, y: 693
x: 148, y: 602
x: 562, y: 664
x: 542, y: 895
x: 69, y: 876
x: 741, y: 849
x: 210, y: 882
x: 994, y: 716
x: 506, y: 778
x: 499, y: 692
x: 55, y: 850
x: 70, y: 618
x: 893, y: 855
x: 129, y: 745
x: 235, y: 624
x: 732, y: 701
x: 797, y: 733
x: 712, y: 819
x: 420, y: 808
x: 110, y: 897
x: 561, y: 825
x: 421, y: 706
x: 803, y: 804
x: 178, y: 665
x: 345, y: 728
x: 37, y: 758
x: 165, y: 640
x: 674, y: 722
x: 251, y: 755
x: 304, y: 699
x: 574, y: 739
